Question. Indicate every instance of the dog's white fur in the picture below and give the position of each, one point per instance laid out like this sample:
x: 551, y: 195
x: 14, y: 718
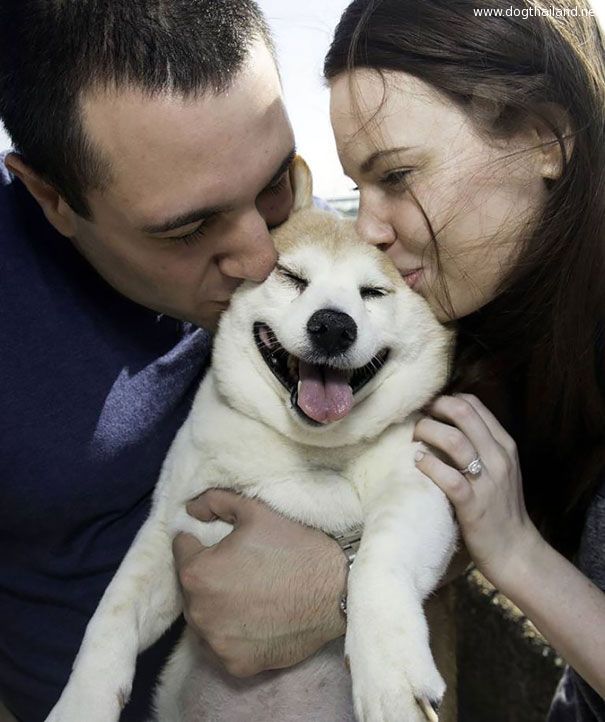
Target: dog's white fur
x: 243, y: 434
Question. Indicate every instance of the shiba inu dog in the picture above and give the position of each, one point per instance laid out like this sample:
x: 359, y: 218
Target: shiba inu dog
x: 310, y: 404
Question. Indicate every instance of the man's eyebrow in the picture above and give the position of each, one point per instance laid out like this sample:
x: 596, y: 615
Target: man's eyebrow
x: 185, y: 219
x: 201, y: 214
x: 367, y: 165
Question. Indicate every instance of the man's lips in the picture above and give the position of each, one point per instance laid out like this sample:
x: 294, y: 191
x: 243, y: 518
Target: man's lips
x: 412, y: 277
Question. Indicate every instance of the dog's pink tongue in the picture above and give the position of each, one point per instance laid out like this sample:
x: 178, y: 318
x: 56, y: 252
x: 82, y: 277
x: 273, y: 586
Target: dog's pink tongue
x: 324, y: 394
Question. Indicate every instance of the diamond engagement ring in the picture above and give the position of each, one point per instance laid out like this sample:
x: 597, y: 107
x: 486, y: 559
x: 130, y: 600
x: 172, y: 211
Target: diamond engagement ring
x: 474, y: 468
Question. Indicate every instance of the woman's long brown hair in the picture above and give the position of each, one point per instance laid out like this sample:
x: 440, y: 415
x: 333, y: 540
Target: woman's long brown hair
x: 542, y: 337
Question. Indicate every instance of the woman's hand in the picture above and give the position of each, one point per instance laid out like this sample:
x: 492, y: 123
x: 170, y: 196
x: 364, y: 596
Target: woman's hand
x: 266, y: 596
x: 490, y: 507
x: 565, y: 606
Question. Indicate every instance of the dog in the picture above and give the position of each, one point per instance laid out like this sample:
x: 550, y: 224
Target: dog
x: 326, y: 364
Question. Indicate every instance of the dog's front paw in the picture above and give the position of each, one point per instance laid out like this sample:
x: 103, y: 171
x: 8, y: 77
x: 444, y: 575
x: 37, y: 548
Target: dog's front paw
x: 391, y: 684
x: 93, y: 702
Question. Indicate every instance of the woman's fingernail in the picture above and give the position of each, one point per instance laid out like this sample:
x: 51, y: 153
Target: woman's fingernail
x: 419, y: 456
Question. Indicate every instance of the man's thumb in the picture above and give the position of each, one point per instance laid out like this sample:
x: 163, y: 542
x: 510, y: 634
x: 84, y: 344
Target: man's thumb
x: 184, y: 548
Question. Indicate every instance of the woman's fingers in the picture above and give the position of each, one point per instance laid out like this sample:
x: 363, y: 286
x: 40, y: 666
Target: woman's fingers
x: 495, y: 427
x: 465, y: 417
x: 447, y: 439
x: 489, y: 506
x: 490, y: 441
x: 451, y: 482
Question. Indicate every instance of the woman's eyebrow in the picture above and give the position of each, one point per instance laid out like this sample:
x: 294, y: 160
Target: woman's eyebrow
x: 367, y: 165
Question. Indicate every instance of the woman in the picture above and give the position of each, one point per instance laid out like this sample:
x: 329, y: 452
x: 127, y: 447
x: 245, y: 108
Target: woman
x: 476, y: 135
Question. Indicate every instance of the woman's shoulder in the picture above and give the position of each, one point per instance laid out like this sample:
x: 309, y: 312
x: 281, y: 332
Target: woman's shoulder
x: 591, y: 554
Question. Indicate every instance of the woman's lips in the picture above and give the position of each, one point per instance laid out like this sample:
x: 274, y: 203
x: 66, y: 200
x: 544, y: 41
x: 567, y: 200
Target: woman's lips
x: 411, y: 277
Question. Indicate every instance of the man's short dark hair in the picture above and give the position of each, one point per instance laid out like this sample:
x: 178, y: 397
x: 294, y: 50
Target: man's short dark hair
x: 52, y: 51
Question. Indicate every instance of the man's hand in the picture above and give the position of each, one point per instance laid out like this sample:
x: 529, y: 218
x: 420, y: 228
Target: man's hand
x: 266, y: 596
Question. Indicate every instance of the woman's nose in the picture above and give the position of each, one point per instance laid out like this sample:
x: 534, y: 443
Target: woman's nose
x: 375, y: 230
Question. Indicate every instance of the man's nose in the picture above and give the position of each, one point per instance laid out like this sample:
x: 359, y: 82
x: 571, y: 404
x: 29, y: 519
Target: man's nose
x: 375, y: 228
x: 249, y: 254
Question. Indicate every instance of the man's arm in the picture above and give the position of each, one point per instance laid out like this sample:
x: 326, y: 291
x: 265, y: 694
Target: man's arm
x: 268, y: 595
x: 284, y: 579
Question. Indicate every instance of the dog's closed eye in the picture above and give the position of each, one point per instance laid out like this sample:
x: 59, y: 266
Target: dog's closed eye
x: 372, y: 292
x: 298, y: 281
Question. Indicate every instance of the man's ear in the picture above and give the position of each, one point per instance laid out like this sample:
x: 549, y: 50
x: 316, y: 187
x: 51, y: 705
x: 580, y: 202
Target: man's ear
x: 56, y: 210
x: 552, y: 156
x: 302, y: 184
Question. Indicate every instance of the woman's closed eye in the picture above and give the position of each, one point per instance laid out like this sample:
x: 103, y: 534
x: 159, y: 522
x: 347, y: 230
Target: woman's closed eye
x: 396, y: 179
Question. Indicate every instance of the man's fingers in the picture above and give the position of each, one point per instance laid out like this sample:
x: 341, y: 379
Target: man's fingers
x: 219, y: 504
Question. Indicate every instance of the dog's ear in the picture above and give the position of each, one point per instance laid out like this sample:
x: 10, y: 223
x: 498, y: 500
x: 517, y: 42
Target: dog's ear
x: 302, y: 184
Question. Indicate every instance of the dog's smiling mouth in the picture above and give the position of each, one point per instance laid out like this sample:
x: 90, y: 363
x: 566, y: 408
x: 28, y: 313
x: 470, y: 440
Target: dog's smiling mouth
x: 320, y: 393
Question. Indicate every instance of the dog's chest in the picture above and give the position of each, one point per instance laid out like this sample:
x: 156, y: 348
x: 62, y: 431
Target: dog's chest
x: 324, y: 488
x: 312, y: 486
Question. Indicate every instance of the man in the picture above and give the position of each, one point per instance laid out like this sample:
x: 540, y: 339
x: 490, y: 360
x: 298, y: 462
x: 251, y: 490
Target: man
x: 152, y: 155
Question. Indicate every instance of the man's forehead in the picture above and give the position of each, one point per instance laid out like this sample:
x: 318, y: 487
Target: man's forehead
x: 123, y: 120
x: 152, y: 142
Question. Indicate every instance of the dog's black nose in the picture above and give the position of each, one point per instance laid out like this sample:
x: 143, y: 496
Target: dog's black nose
x: 331, y: 331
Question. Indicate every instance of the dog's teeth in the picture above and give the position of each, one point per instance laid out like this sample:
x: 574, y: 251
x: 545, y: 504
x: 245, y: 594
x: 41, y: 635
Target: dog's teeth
x: 298, y: 386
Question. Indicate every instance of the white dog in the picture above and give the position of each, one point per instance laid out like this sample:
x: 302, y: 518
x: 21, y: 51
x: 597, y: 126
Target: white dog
x: 310, y: 405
